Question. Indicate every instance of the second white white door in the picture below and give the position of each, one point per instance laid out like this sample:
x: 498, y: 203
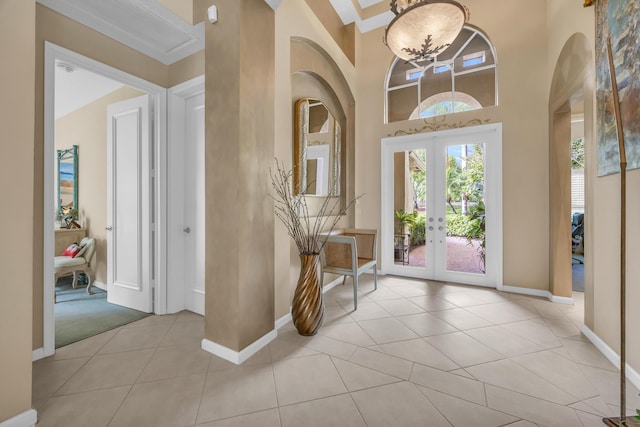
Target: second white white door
x: 193, y: 228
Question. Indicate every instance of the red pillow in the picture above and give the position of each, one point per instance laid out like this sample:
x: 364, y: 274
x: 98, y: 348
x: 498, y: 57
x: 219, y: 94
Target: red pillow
x: 72, y: 250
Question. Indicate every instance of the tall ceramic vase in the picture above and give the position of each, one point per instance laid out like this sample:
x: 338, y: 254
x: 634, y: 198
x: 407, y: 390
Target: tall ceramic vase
x: 307, y: 308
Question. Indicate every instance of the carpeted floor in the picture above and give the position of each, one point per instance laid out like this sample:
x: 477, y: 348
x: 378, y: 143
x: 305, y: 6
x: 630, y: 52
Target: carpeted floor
x: 577, y: 276
x: 79, y: 315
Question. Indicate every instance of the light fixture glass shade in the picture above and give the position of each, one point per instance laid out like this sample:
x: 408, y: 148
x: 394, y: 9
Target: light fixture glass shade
x: 424, y: 28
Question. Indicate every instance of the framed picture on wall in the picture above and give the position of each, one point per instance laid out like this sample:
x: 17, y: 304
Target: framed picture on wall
x: 620, y: 20
x: 67, y: 170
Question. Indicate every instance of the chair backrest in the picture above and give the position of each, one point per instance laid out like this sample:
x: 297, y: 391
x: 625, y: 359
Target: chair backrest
x: 344, y: 247
x: 366, y: 241
x: 90, y: 244
x: 339, y: 252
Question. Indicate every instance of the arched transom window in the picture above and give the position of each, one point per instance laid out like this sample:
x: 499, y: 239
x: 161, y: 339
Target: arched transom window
x: 462, y: 78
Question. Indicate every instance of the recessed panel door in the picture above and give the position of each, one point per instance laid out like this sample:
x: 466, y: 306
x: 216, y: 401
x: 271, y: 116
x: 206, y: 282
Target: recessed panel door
x: 129, y: 210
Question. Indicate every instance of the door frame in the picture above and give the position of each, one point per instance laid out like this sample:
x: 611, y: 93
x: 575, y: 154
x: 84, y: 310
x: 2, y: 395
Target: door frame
x: 177, y: 103
x: 158, y: 96
x: 494, y: 180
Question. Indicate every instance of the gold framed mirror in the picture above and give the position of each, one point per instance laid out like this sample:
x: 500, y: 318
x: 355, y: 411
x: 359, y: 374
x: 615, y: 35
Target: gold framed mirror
x: 317, y: 149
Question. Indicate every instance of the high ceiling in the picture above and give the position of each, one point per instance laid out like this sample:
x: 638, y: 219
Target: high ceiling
x: 147, y: 26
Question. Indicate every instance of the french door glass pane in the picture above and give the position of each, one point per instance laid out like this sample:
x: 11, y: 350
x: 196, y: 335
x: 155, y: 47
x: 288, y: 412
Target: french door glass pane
x: 465, y: 212
x: 409, y: 207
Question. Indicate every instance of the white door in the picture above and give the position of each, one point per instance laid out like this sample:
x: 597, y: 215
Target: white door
x: 442, y: 208
x: 193, y: 229
x: 129, y: 206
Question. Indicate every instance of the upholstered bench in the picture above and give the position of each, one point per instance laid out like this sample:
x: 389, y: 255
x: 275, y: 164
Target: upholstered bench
x: 65, y: 265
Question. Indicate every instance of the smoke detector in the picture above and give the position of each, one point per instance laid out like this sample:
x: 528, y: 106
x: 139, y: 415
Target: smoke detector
x: 67, y: 68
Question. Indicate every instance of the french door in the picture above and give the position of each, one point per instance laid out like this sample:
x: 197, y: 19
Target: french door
x: 442, y: 205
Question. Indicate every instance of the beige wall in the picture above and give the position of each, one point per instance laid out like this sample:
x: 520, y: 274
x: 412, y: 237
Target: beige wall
x: 17, y: 32
x: 57, y: 29
x: 522, y: 108
x: 602, y: 213
x: 295, y: 18
x: 343, y: 35
x: 87, y: 128
x: 239, y: 145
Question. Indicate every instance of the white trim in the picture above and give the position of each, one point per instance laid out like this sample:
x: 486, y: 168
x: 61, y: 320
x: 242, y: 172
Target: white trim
x: 537, y: 293
x: 173, y: 205
x: 193, y: 41
x: 38, y: 354
x: 28, y: 418
x: 326, y: 288
x: 561, y: 300
x: 632, y: 375
x: 274, y: 3
x: 348, y: 14
x: 48, y: 246
x: 99, y: 285
x: 433, y: 142
x: 238, y: 357
x: 279, y: 323
x: 159, y: 102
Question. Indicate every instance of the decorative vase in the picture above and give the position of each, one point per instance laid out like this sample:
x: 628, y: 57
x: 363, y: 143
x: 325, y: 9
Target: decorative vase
x: 307, y: 309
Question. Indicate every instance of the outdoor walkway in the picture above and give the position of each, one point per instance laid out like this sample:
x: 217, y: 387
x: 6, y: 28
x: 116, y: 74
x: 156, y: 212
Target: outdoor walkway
x: 460, y: 256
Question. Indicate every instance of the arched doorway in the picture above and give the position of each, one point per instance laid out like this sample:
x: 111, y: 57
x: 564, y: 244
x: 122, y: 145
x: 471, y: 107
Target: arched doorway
x: 571, y: 96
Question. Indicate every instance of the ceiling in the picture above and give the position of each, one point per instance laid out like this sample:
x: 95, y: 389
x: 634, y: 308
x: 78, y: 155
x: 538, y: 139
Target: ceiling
x: 79, y: 87
x: 150, y: 28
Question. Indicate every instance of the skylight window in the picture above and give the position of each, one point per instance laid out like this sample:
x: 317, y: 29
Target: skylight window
x: 473, y: 59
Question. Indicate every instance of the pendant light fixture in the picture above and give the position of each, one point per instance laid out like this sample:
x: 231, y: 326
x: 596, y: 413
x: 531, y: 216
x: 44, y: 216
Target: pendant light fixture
x: 423, y: 29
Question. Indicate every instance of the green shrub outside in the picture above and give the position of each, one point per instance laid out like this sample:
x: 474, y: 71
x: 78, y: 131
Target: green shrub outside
x: 457, y: 225
x: 417, y: 231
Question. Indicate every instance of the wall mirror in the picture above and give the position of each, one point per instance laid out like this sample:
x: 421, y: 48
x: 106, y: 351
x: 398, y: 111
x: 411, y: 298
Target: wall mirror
x: 316, y: 149
x: 67, y: 180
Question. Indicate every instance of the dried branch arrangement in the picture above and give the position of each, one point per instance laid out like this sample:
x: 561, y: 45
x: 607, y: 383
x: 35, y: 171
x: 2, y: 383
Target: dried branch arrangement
x: 310, y: 233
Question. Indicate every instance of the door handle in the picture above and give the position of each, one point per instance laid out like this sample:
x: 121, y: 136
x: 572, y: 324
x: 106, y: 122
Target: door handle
x: 431, y: 228
x: 441, y: 228
x: 187, y: 230
x: 108, y: 228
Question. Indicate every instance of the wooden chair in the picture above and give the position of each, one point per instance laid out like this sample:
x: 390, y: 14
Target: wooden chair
x: 351, y: 252
x: 66, y: 265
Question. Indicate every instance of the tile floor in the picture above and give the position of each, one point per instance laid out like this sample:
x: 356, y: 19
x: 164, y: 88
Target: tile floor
x: 415, y: 353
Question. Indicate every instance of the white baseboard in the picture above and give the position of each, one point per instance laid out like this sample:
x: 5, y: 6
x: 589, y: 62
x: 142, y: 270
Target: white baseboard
x: 26, y: 419
x: 279, y: 323
x: 37, y: 354
x: 632, y: 375
x: 238, y: 357
x: 100, y: 285
x: 537, y: 293
x: 326, y: 288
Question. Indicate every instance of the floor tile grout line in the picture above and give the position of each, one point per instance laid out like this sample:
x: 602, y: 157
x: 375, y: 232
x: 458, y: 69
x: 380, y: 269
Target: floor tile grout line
x: 433, y: 404
x: 530, y: 396
x: 204, y: 386
x: 556, y: 385
x: 339, y: 374
x: 53, y: 394
x: 135, y: 382
x: 544, y: 321
x: 377, y: 370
